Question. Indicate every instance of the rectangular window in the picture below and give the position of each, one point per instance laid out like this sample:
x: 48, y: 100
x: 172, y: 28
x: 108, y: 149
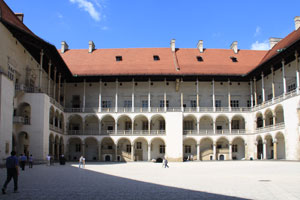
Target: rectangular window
x: 127, y: 104
x: 145, y: 125
x: 128, y: 148
x: 291, y: 87
x: 162, y: 125
x: 235, y: 124
x: 11, y: 73
x: 127, y: 126
x: 193, y: 103
x: 144, y: 103
x: 235, y: 148
x: 188, y: 125
x: 77, y: 147
x: 109, y: 147
x: 138, y: 145
x: 119, y: 58
x: 187, y: 149
x: 156, y: 57
x: 162, y: 103
x: 218, y: 103
x: 106, y: 104
x: 162, y: 148
x: 234, y: 103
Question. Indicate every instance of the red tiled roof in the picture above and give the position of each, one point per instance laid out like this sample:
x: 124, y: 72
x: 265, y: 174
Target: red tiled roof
x: 139, y: 61
x: 9, y: 16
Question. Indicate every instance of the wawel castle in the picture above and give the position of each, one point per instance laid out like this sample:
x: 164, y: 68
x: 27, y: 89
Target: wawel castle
x: 143, y: 104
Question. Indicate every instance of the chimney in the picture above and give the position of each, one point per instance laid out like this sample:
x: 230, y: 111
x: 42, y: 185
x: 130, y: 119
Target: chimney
x: 273, y: 41
x: 64, y: 47
x: 200, y: 46
x: 20, y: 16
x: 91, y: 46
x: 234, y: 46
x: 297, y: 22
x: 173, y: 45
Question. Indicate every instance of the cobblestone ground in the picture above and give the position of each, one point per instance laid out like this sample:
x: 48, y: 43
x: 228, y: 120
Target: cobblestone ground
x: 143, y: 180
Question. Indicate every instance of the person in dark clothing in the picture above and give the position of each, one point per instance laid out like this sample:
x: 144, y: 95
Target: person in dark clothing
x: 23, y: 160
x: 12, y: 172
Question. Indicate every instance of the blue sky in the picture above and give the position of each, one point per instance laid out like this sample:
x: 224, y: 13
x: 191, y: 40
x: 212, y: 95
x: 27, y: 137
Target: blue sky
x: 153, y: 23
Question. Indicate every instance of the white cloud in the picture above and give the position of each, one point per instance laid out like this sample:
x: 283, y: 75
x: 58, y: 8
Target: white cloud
x: 104, y: 28
x: 89, y: 7
x: 257, y: 31
x: 59, y: 15
x: 260, y: 45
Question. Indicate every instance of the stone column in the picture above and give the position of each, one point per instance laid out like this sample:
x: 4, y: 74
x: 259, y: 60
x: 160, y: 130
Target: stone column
x: 273, y: 84
x: 149, y: 152
x: 59, y: 82
x: 54, y: 84
x: 53, y: 148
x: 274, y: 119
x: 198, y: 127
x: 99, y: 152
x: 83, y: 149
x: 255, y: 151
x: 67, y: 152
x: 246, y: 151
x: 116, y: 97
x: 116, y: 153
x: 262, y: 88
x: 198, y: 151
x: 213, y: 95
x: 251, y: 94
x: 100, y: 96
x: 132, y: 152
x: 149, y: 126
x: 229, y: 126
x: 41, y: 70
x: 229, y: 96
x: 264, y: 122
x: 198, y: 106
x: 255, y: 92
x: 283, y: 78
x: 275, y: 149
x: 149, y: 95
x: 265, y: 149
x: 230, y: 151
x: 214, y: 126
x: 83, y: 101
x: 214, y: 151
x: 49, y: 78
x: 132, y: 97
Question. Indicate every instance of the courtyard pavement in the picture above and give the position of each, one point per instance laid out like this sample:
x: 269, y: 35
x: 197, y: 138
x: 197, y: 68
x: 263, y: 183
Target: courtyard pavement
x: 143, y: 180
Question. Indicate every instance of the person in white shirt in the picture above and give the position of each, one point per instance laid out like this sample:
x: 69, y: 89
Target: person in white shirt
x: 48, y: 160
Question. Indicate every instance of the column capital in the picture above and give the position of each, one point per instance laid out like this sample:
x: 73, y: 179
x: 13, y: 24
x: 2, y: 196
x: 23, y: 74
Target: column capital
x: 49, y: 63
x: 42, y: 52
x: 275, y: 141
x: 254, y: 79
x: 262, y: 74
x: 282, y: 61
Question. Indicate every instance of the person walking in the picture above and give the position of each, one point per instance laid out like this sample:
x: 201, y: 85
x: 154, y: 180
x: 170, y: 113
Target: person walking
x: 23, y: 160
x: 48, y: 160
x: 81, y: 162
x: 30, y: 161
x: 166, y: 163
x: 12, y: 172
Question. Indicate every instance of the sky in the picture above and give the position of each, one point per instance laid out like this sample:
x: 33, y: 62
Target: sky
x: 153, y: 23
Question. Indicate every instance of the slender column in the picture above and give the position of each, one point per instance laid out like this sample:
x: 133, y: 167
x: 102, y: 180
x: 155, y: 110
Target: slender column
x: 264, y: 122
x: 132, y: 126
x: 255, y: 92
x: 297, y: 71
x: 274, y: 120
x: 229, y: 126
x: 246, y: 151
x: 132, y: 96
x: 116, y: 127
x: 149, y: 126
x: 229, y: 96
x: 230, y: 151
x: 116, y: 153
x: 149, y: 95
x: 265, y: 149
x: 251, y: 93
x: 149, y: 152
x: 181, y: 101
x: 275, y: 149
x: 49, y: 77
x: 41, y: 68
x: 198, y: 127
x: 198, y: 107
x: 99, y: 152
x: 59, y: 83
x: 273, y: 84
x: 213, y: 95
x: 214, y: 151
x: 165, y: 96
x: 283, y: 78
x: 198, y: 151
x: 54, y: 84
x: 116, y: 97
x: 83, y: 95
x: 53, y: 148
x: 214, y: 126
x: 132, y: 152
x: 262, y: 88
x: 83, y: 149
x: 100, y: 96
x: 65, y: 92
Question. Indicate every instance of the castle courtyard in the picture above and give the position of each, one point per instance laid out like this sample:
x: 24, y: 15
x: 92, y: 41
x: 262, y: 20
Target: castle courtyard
x: 145, y: 180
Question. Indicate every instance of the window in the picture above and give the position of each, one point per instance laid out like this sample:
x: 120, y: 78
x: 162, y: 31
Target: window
x: 270, y: 96
x: 162, y: 125
x: 234, y: 103
x: 145, y: 125
x: 156, y: 57
x: 162, y: 103
x: 291, y: 87
x: 106, y: 104
x: 128, y: 148
x: 144, y: 103
x: 199, y: 59
x: 138, y: 145
x: 11, y: 73
x: 162, y: 148
x: 188, y: 125
x: 218, y: 103
x: 110, y: 128
x: 187, y: 149
x: 235, y: 124
x: 193, y: 103
x: 119, y: 58
x: 127, y: 103
x: 233, y: 59
x: 77, y: 147
x: 235, y: 148
x: 109, y: 147
x: 127, y: 126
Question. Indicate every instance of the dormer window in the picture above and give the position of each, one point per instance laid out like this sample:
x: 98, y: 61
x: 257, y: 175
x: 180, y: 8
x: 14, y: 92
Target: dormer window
x: 119, y: 58
x: 234, y: 59
x: 156, y: 58
x: 199, y: 58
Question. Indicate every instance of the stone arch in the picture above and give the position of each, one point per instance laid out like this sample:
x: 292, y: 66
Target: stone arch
x: 279, y: 113
x: 23, y: 143
x: 206, y: 148
x: 238, y: 123
x: 141, y: 123
x: 51, y: 144
x: 124, y: 124
x: 75, y: 148
x: 61, y: 146
x: 124, y: 149
x: 222, y: 124
x: 189, y: 123
x: 56, y: 118
x: 269, y: 146
x: 206, y: 124
x: 280, y: 139
x: 268, y: 117
x: 24, y: 111
x: 222, y: 149
x: 158, y: 123
x: 189, y: 149
x: 238, y: 148
x: 56, y: 147
x: 91, y: 149
x: 158, y: 148
x: 91, y: 124
x: 107, y: 124
x: 259, y: 120
x: 51, y: 115
x: 108, y: 149
x: 141, y: 149
x: 75, y: 124
x: 259, y: 146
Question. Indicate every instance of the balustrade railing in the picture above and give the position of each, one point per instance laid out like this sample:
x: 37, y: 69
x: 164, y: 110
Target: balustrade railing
x: 272, y: 127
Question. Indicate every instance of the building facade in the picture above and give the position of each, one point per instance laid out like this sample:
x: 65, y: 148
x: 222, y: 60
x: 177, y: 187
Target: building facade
x: 148, y: 103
